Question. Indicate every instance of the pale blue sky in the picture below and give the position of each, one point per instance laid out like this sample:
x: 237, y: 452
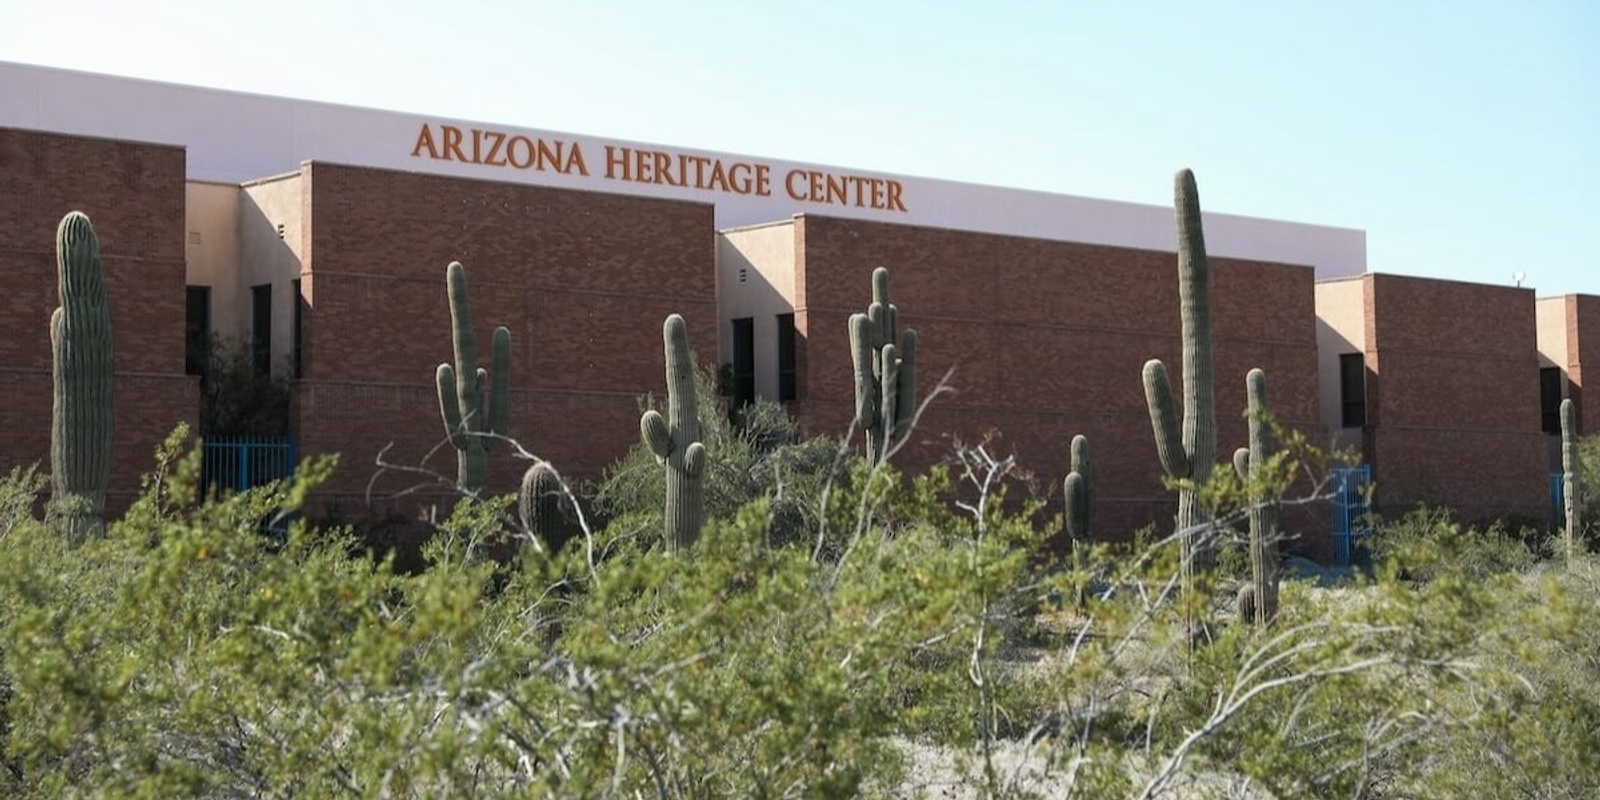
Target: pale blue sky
x: 1464, y: 137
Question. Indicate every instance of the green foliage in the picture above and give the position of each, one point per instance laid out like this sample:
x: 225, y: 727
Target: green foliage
x: 1429, y: 542
x: 81, y: 419
x: 237, y: 398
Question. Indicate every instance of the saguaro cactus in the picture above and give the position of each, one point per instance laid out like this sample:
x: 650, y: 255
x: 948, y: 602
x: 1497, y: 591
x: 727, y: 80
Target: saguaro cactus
x: 538, y: 499
x: 1079, y: 491
x: 1569, y: 475
x: 886, y: 374
x: 1189, y: 456
x: 1259, y: 599
x: 471, y: 420
x: 80, y: 425
x: 676, y: 443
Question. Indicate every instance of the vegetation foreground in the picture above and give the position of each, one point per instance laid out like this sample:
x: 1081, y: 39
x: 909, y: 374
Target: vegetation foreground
x: 835, y: 631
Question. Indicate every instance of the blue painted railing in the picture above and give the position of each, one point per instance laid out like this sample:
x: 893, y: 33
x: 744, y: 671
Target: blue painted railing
x: 1352, y: 511
x: 234, y: 464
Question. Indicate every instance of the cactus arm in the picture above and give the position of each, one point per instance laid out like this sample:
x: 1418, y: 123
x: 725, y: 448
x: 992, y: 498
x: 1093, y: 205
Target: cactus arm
x: 500, y: 387
x: 464, y: 345
x: 905, y: 401
x: 450, y: 406
x: 1083, y: 466
x: 653, y: 430
x: 1263, y: 505
x: 1163, y: 420
x: 1241, y: 463
x: 694, y: 460
x: 1075, y: 490
x: 862, y: 355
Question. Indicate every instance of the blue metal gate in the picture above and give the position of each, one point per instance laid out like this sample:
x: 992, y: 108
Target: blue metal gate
x: 1558, y: 493
x: 1352, y: 511
x: 238, y: 463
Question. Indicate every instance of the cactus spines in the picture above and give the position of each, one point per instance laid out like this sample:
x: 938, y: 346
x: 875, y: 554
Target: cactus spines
x: 1569, y: 476
x: 1188, y: 455
x: 885, y: 368
x: 80, y: 341
x: 1079, y: 490
x: 471, y: 420
x: 676, y: 441
x: 1251, y: 464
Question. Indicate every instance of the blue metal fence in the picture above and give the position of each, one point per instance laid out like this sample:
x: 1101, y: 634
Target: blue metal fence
x: 1558, y: 493
x: 235, y: 464
x: 1352, y: 511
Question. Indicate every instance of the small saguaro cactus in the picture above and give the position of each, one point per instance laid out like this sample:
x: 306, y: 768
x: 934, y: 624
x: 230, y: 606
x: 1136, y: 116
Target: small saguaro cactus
x: 1079, y: 491
x: 1258, y: 600
x: 472, y: 420
x: 886, y: 372
x: 676, y: 441
x: 1569, y: 476
x: 538, y: 500
x: 1189, y: 455
x: 80, y: 423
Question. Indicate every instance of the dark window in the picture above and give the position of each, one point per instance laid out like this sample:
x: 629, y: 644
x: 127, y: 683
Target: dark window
x: 786, y: 385
x: 299, y: 321
x: 744, y: 362
x: 261, y: 327
x: 1550, y: 399
x: 197, y: 330
x: 1353, y: 389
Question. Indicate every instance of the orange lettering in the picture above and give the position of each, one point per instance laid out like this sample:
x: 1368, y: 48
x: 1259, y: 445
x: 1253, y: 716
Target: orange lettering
x: 838, y: 193
x: 894, y: 196
x: 788, y: 184
x: 739, y: 177
x: 641, y: 165
x: 575, y: 159
x: 617, y: 157
x: 763, y: 188
x: 664, y: 169
x: 877, y: 193
x: 425, y: 139
x: 495, y: 140
x: 529, y: 156
x: 452, y: 142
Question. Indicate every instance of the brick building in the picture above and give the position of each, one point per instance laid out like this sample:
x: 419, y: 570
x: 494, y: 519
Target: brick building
x: 319, y: 234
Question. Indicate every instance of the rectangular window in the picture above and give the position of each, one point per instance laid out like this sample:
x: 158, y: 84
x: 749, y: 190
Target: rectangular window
x: 1550, y: 385
x: 299, y: 322
x: 744, y: 362
x: 1353, y: 389
x: 786, y: 344
x: 261, y: 327
x: 197, y: 330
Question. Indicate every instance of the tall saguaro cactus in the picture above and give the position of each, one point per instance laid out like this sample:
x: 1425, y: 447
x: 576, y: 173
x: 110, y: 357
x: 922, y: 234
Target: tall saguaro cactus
x: 1260, y: 600
x: 80, y: 423
x: 1569, y: 476
x: 471, y: 420
x: 1188, y: 455
x: 886, y: 372
x: 676, y: 442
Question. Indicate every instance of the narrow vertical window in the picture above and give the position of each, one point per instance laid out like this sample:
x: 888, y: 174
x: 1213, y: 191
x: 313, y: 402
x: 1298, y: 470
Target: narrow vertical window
x: 197, y: 330
x: 786, y: 344
x: 744, y: 362
x: 261, y: 327
x: 1550, y: 399
x: 1353, y: 389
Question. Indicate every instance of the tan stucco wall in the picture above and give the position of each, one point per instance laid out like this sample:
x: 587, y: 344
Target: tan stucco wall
x: 756, y: 279
x: 1341, y: 328
x: 265, y: 256
x: 1551, y: 319
x: 211, y: 215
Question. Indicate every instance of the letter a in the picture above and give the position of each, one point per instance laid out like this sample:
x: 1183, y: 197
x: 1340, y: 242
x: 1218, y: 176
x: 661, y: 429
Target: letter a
x: 425, y: 139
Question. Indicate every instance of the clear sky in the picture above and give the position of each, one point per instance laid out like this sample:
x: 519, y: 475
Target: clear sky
x: 1463, y: 137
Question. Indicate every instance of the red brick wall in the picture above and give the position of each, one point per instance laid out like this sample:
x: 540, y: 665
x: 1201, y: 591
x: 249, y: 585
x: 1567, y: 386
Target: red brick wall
x: 1453, y: 403
x: 582, y: 279
x: 133, y: 193
x: 1047, y: 339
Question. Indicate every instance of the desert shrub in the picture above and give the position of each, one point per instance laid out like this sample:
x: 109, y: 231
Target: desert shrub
x: 1428, y: 542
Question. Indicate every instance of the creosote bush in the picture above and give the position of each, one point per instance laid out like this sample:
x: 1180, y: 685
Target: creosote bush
x: 903, y: 621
